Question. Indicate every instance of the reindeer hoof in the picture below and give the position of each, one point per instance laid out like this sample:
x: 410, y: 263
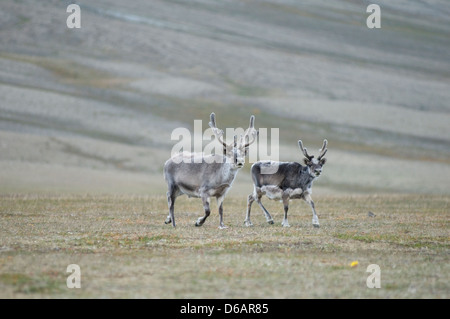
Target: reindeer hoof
x: 270, y: 222
x: 223, y: 227
x: 248, y: 223
x: 198, y: 223
x: 168, y: 220
x: 316, y: 225
x: 285, y: 225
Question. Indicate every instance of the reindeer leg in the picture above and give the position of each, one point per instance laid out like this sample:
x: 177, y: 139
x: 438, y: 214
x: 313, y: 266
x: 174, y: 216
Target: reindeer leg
x: 266, y: 213
x: 285, y: 222
x: 201, y: 220
x: 315, y: 219
x: 171, y: 195
x: 250, y: 201
x: 171, y: 203
x: 220, y: 204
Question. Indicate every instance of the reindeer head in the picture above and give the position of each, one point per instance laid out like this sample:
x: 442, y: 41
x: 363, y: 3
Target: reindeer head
x: 235, y: 152
x: 314, y: 165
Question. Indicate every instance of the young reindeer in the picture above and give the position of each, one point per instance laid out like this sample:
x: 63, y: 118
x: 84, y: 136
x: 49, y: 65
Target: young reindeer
x: 206, y: 176
x: 291, y: 180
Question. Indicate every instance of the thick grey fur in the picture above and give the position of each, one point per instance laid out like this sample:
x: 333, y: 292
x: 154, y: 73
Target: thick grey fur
x: 212, y: 177
x: 290, y: 181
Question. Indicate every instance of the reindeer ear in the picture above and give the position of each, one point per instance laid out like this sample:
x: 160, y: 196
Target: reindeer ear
x: 306, y: 161
x: 323, y: 161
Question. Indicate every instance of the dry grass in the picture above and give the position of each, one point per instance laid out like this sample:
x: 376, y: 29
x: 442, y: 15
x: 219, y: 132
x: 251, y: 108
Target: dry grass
x: 125, y: 250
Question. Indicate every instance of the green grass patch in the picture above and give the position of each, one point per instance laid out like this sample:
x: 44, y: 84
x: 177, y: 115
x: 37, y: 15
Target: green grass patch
x: 41, y: 284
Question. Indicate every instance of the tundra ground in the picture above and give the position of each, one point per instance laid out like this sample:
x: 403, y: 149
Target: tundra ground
x: 125, y: 250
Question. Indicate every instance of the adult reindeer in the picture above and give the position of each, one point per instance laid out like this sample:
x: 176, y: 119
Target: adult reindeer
x: 291, y: 180
x: 206, y: 176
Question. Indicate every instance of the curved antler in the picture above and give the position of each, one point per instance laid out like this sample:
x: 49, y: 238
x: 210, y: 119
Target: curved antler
x: 217, y: 132
x: 251, y: 130
x: 323, y: 150
x: 304, y: 150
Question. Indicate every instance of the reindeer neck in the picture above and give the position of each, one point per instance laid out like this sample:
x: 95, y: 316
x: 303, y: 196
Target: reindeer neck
x: 228, y: 172
x: 305, y: 178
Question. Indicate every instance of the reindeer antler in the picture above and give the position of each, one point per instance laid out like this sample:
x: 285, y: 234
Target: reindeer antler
x: 217, y: 132
x: 323, y: 150
x: 251, y: 130
x: 304, y: 150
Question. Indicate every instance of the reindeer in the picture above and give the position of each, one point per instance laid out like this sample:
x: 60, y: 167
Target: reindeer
x: 291, y: 180
x: 205, y: 176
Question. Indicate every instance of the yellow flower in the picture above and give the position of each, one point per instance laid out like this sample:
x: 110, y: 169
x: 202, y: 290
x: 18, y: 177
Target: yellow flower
x: 354, y: 263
